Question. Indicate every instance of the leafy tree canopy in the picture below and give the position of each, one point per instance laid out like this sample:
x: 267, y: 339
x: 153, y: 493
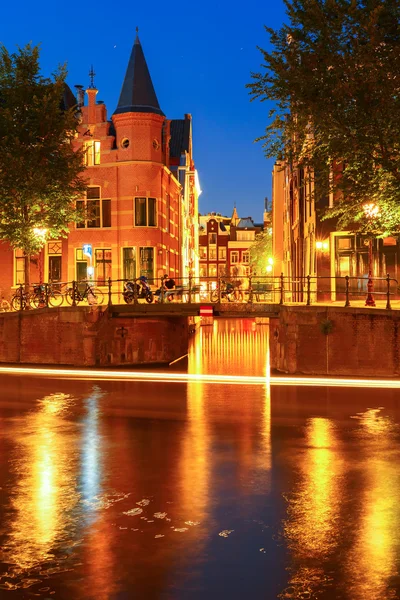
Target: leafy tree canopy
x: 261, y: 252
x: 40, y: 173
x: 333, y: 76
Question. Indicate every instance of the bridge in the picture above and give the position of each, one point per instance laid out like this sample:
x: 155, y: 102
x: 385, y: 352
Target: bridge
x: 248, y: 296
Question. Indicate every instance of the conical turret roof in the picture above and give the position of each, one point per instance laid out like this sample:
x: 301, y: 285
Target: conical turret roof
x: 137, y: 93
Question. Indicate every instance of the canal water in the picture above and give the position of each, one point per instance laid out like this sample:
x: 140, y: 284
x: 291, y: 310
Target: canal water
x: 193, y: 490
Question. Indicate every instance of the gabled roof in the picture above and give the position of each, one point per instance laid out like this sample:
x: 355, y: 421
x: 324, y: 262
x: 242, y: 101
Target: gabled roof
x: 180, y: 137
x: 245, y: 223
x: 137, y: 93
x: 68, y: 99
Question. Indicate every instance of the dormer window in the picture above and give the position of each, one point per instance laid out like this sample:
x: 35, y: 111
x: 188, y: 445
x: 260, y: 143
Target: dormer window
x: 91, y: 153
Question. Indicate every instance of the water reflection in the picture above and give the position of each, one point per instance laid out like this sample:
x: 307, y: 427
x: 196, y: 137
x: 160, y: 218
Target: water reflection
x: 232, y: 346
x: 41, y: 528
x: 313, y: 527
x: 373, y: 559
x: 181, y: 490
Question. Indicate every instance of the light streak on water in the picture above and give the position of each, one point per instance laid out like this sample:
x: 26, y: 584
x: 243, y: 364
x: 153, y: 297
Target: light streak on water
x: 166, y: 377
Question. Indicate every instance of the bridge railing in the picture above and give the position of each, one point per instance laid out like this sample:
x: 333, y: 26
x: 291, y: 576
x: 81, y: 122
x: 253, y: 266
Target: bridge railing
x: 245, y: 289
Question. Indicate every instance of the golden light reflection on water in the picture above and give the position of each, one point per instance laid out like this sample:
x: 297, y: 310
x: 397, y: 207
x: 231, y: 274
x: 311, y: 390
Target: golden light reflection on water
x: 234, y: 347
x: 45, y: 492
x: 373, y: 559
x: 312, y: 529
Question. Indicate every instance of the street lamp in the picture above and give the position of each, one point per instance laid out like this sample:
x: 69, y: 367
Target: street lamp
x: 371, y: 212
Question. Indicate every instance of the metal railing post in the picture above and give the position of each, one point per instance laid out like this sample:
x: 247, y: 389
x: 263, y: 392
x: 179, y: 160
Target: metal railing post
x: 308, y: 290
x: 21, y: 297
x: 162, y: 289
x: 250, y: 291
x: 109, y: 292
x: 282, y: 289
x: 46, y: 294
x: 347, y: 303
x: 388, y: 306
x: 190, y: 289
x: 74, y: 290
x: 135, y: 290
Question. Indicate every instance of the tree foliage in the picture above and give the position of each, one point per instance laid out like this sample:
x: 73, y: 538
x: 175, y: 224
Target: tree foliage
x: 333, y: 75
x: 40, y: 174
x: 260, y: 252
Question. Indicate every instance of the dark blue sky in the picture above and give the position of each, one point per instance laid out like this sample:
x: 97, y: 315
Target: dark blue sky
x: 200, y: 55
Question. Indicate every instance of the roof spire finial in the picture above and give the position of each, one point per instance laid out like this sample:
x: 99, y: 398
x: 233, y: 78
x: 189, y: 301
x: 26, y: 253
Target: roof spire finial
x: 92, y: 75
x: 137, y: 35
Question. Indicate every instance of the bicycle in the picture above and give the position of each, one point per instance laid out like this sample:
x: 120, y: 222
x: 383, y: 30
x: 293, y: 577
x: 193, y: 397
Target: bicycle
x: 229, y: 292
x: 92, y: 294
x: 20, y: 300
x: 42, y: 297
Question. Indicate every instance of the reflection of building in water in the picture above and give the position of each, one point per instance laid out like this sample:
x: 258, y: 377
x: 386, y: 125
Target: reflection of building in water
x: 312, y: 528
x: 233, y: 346
x: 373, y: 560
x: 210, y: 407
x: 45, y: 494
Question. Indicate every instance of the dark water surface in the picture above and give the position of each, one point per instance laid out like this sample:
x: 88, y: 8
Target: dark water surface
x: 158, y: 490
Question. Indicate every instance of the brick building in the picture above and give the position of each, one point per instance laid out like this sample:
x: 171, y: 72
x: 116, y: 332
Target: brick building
x: 304, y: 244
x: 142, y: 195
x: 224, y: 244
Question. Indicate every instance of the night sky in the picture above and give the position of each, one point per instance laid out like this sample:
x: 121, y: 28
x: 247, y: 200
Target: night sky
x: 200, y: 56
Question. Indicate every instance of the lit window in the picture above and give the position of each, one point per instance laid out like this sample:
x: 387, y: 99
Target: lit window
x: 212, y: 253
x: 212, y: 270
x: 102, y: 265
x: 146, y: 265
x: 246, y: 257
x: 245, y: 235
x: 97, y: 211
x: 222, y: 253
x: 91, y: 153
x: 203, y: 252
x: 145, y: 212
x: 234, y: 257
x: 129, y: 263
x: 212, y: 238
x: 19, y: 266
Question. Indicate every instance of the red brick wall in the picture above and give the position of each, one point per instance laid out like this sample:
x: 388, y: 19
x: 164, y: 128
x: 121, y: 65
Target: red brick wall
x: 86, y: 337
x: 360, y: 343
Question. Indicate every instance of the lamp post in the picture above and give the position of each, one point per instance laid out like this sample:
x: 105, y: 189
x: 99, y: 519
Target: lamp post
x: 371, y: 212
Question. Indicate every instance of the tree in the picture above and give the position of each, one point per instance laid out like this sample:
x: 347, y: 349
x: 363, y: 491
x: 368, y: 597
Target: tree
x: 261, y: 253
x: 333, y: 76
x: 40, y: 173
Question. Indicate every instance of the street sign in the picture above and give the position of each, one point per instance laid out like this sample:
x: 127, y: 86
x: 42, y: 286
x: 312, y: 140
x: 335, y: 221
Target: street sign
x: 87, y: 250
x: 206, y: 311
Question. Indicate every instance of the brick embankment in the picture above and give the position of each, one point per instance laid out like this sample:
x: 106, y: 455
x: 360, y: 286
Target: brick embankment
x: 332, y: 340
x: 87, y: 336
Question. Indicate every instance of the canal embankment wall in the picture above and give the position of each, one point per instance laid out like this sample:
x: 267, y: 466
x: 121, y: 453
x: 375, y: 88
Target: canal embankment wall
x: 90, y: 336
x: 331, y: 340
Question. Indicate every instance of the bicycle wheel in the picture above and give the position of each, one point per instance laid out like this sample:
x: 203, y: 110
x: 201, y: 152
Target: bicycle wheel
x: 56, y: 299
x: 149, y: 297
x: 95, y: 296
x: 214, y: 296
x: 69, y: 297
x: 36, y: 300
x: 18, y: 303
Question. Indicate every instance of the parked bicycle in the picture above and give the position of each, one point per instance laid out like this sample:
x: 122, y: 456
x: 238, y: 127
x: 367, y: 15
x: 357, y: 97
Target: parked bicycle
x: 45, y: 295
x: 89, y: 292
x: 20, y: 299
x: 229, y: 292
